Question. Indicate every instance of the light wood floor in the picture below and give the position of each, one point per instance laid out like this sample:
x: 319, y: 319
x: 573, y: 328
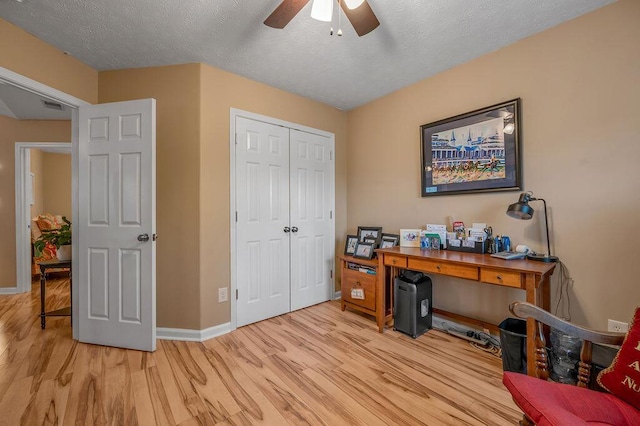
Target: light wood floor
x: 315, y: 366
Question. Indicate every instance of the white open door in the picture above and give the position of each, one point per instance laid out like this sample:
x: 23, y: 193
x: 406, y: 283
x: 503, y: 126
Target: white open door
x: 117, y: 225
x: 312, y: 242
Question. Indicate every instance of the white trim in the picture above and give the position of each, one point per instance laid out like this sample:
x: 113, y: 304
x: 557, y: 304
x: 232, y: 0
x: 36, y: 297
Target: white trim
x: 25, y: 83
x: 8, y: 290
x: 193, y: 335
x: 337, y: 295
x: 23, y: 209
x: 233, y: 114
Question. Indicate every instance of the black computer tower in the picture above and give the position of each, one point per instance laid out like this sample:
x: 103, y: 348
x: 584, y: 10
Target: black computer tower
x: 413, y: 305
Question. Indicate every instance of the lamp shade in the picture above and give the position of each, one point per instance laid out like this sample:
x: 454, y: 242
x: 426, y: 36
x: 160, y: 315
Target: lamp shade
x: 521, y: 209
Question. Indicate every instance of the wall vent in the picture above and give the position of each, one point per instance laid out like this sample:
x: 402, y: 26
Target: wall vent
x: 52, y: 105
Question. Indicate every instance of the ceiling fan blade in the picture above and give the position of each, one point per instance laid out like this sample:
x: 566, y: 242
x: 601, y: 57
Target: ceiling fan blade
x: 285, y: 12
x: 362, y: 18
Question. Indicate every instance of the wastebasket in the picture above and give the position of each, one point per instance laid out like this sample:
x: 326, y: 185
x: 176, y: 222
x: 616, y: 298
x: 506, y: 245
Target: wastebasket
x: 513, y: 339
x: 413, y: 306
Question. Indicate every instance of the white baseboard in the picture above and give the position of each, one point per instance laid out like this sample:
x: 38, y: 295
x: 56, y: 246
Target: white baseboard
x: 337, y: 295
x: 9, y: 290
x: 192, y: 335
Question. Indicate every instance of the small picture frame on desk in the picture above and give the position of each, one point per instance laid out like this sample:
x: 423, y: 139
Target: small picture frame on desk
x: 364, y: 250
x: 410, y: 238
x: 369, y: 232
x: 393, y: 238
x: 350, y: 245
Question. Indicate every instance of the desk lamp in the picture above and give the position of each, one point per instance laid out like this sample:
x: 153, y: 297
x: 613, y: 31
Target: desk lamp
x: 522, y: 210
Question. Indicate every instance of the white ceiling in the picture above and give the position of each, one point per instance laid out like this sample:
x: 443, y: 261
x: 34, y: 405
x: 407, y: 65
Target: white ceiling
x: 416, y: 38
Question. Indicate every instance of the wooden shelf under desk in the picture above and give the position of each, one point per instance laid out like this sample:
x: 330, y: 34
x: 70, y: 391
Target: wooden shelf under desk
x: 373, y: 302
x: 531, y: 276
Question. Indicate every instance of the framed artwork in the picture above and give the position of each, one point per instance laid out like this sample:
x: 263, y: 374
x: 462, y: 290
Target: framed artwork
x: 371, y: 240
x: 389, y: 240
x: 478, y: 151
x: 350, y: 245
x: 364, y: 250
x: 369, y: 232
x: 410, y: 238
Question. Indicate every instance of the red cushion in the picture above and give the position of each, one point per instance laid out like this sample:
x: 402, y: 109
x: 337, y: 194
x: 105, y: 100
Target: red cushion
x: 556, y: 404
x: 623, y: 377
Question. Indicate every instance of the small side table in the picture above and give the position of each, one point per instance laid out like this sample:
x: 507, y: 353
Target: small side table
x: 44, y: 266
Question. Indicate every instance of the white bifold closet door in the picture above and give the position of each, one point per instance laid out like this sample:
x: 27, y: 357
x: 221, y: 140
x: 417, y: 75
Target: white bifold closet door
x: 284, y: 193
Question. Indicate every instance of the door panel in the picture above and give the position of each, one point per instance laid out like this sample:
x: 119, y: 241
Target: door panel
x: 312, y: 245
x: 117, y: 205
x: 262, y: 185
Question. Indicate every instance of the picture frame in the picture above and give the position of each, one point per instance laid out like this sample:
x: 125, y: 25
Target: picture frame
x: 364, y: 250
x: 410, y: 238
x: 350, y: 245
x: 389, y: 240
x: 372, y: 240
x: 369, y: 231
x: 478, y: 151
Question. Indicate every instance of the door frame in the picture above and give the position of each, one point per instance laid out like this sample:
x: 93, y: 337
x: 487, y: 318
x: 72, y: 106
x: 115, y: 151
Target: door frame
x: 33, y: 86
x: 237, y: 113
x: 23, y: 216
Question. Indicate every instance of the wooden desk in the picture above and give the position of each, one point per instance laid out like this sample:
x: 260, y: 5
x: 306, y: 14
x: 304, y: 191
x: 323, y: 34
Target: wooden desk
x: 44, y: 266
x: 531, y: 276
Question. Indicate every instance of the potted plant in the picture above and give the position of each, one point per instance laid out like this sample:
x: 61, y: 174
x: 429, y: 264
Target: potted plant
x: 60, y: 238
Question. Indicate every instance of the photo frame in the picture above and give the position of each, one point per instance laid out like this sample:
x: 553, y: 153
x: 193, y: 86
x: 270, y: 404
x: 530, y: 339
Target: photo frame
x: 350, y: 245
x: 478, y: 151
x: 364, y: 250
x: 389, y: 240
x: 369, y: 231
x: 410, y: 238
x: 371, y: 240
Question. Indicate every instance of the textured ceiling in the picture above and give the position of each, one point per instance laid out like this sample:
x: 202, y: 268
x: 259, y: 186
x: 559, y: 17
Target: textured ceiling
x: 416, y: 38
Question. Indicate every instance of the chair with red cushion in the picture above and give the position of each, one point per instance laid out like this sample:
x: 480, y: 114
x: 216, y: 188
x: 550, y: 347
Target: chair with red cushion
x: 548, y: 403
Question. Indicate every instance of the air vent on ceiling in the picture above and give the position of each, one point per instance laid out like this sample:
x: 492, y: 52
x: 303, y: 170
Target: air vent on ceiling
x: 52, y: 105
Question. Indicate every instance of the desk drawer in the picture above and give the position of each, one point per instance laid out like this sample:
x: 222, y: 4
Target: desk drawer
x: 453, y: 270
x: 396, y: 261
x: 494, y: 276
x: 367, y: 282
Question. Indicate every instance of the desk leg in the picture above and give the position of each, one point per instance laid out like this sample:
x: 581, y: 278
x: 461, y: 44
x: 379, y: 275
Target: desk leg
x: 43, y: 282
x: 380, y: 293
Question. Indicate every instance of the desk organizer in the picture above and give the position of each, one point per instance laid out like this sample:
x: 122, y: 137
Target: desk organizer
x: 469, y: 246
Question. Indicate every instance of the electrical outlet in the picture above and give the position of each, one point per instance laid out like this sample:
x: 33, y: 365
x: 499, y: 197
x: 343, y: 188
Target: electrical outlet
x: 223, y: 295
x: 618, y: 326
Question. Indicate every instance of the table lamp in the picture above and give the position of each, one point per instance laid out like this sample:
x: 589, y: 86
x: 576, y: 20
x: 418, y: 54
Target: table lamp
x: 522, y: 210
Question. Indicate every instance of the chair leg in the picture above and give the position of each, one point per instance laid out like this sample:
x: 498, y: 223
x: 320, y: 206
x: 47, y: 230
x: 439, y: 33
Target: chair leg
x: 526, y: 421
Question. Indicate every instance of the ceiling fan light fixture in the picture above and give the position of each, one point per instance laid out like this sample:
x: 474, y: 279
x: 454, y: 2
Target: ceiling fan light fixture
x: 322, y: 10
x: 353, y: 4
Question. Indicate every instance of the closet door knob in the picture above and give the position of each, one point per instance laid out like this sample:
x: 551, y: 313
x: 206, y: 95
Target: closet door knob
x: 294, y: 229
x: 286, y: 229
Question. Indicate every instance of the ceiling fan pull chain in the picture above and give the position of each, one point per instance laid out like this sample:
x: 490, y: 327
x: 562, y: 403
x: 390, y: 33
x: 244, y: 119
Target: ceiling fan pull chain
x: 339, y: 18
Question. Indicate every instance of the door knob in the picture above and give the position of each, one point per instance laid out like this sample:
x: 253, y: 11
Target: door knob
x: 154, y: 237
x: 287, y: 229
x: 294, y: 229
x: 143, y: 238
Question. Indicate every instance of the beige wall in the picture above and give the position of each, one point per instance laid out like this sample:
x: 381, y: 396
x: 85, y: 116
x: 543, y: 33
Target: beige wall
x: 221, y: 91
x: 579, y: 84
x: 12, y: 131
x: 24, y: 54
x: 56, y: 187
x: 177, y: 92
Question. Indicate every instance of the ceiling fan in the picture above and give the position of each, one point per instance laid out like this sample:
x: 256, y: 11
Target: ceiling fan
x: 358, y: 12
